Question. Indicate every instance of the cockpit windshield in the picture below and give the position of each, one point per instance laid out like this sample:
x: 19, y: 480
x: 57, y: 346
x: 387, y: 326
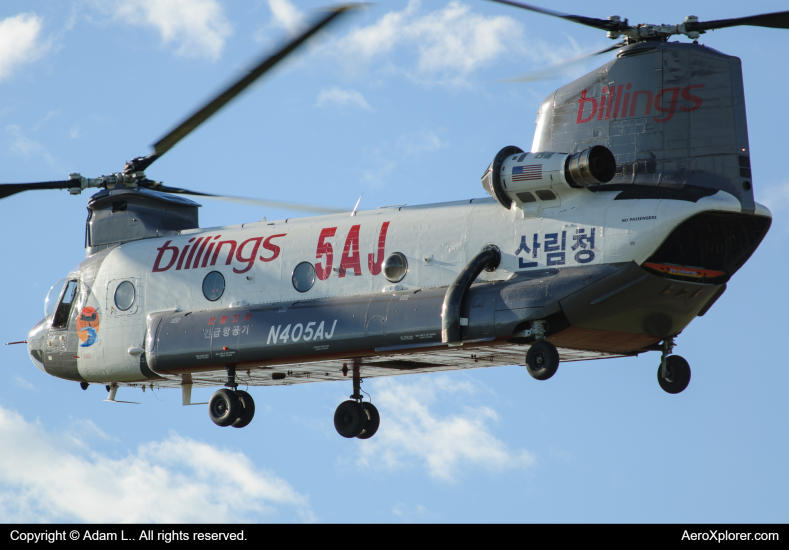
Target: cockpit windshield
x: 64, y: 307
x: 53, y: 296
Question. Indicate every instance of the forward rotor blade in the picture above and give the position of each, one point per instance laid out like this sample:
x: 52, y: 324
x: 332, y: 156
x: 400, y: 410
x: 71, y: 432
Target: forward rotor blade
x: 604, y: 24
x: 549, y: 72
x: 8, y: 189
x: 221, y: 99
x: 255, y: 202
x: 776, y: 20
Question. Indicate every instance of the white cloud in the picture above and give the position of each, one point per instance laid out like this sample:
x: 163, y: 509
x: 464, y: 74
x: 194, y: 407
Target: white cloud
x: 20, y: 42
x: 445, y: 445
x: 342, y: 97
x: 286, y: 15
x: 198, y: 26
x: 450, y: 43
x: 48, y: 477
x: 389, y: 156
x: 423, y: 141
x: 27, y: 148
x: 775, y: 197
x: 24, y: 383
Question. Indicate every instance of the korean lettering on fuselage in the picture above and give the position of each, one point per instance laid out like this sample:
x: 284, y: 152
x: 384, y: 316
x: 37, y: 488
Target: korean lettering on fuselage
x: 556, y: 250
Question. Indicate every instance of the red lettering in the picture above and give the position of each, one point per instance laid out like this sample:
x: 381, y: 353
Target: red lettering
x: 647, y: 107
x: 626, y: 100
x: 324, y: 249
x: 351, y: 259
x: 165, y: 248
x: 251, y: 259
x: 618, y: 100
x: 208, y: 252
x: 219, y: 246
x: 200, y: 253
x: 686, y: 95
x: 248, y: 317
x: 222, y: 319
x: 211, y: 320
x: 611, y: 94
x: 579, y: 119
x: 274, y: 249
x: 192, y: 253
x: 375, y: 265
x: 672, y: 105
x: 183, y: 254
x: 603, y: 99
x: 236, y: 318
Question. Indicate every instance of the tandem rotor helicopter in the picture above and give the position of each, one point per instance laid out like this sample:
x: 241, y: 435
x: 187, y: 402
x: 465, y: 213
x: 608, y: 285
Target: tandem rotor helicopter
x: 625, y: 220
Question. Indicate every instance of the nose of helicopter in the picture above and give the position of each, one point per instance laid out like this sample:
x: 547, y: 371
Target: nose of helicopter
x: 36, y: 340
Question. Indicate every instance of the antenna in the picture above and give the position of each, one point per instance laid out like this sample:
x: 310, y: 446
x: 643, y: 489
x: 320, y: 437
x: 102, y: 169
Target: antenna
x: 357, y: 205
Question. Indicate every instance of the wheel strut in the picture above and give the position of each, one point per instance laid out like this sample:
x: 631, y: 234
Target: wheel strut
x: 668, y: 348
x: 357, y: 381
x: 231, y: 378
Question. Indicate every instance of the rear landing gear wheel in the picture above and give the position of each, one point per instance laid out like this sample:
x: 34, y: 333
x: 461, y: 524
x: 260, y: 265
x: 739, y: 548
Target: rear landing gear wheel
x: 542, y: 360
x: 224, y: 407
x: 372, y: 423
x: 350, y: 419
x: 677, y: 374
x: 247, y: 410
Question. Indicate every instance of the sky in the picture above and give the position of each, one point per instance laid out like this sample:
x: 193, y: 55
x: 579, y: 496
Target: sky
x: 401, y: 103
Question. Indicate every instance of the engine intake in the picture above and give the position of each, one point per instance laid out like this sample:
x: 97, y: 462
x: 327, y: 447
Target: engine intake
x: 516, y: 176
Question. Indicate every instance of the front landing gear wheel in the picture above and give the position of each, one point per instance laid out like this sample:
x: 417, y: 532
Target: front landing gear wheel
x: 247, y: 410
x: 224, y: 407
x: 373, y: 421
x: 542, y: 360
x: 350, y: 419
x: 677, y: 374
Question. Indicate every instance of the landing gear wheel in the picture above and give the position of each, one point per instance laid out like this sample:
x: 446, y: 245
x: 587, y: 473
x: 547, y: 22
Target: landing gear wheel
x: 247, y: 410
x: 373, y: 421
x: 678, y: 374
x: 350, y: 419
x: 224, y: 407
x: 542, y: 360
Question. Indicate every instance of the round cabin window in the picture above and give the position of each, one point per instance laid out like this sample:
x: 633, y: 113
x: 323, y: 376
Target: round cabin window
x: 124, y: 296
x: 213, y: 286
x: 395, y: 267
x: 303, y: 277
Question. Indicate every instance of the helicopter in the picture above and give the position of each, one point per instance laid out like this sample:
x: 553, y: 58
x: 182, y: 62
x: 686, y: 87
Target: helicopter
x: 625, y: 221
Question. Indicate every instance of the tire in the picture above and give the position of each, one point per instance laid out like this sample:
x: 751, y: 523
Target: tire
x: 678, y: 375
x: 350, y: 419
x: 373, y: 421
x: 247, y: 410
x: 224, y: 407
x: 542, y: 360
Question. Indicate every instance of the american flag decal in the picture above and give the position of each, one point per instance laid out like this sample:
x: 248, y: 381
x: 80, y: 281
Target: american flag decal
x: 528, y: 172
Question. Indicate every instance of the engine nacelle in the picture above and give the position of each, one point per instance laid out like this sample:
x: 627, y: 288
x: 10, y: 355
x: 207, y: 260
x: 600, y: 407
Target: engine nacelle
x: 516, y: 176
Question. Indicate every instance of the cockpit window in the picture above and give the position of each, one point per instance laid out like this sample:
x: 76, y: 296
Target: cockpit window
x: 64, y: 307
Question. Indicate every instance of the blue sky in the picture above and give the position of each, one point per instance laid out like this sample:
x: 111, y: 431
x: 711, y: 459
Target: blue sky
x: 403, y: 103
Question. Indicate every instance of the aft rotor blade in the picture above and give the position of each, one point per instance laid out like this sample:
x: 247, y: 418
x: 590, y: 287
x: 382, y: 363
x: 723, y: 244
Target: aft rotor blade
x: 604, y: 24
x: 549, y: 72
x: 777, y: 20
x: 8, y: 189
x: 226, y: 95
x: 255, y: 202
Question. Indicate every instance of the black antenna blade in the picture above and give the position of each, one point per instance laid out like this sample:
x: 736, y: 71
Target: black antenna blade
x: 226, y: 95
x: 604, y: 24
x: 777, y: 20
x: 8, y: 189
